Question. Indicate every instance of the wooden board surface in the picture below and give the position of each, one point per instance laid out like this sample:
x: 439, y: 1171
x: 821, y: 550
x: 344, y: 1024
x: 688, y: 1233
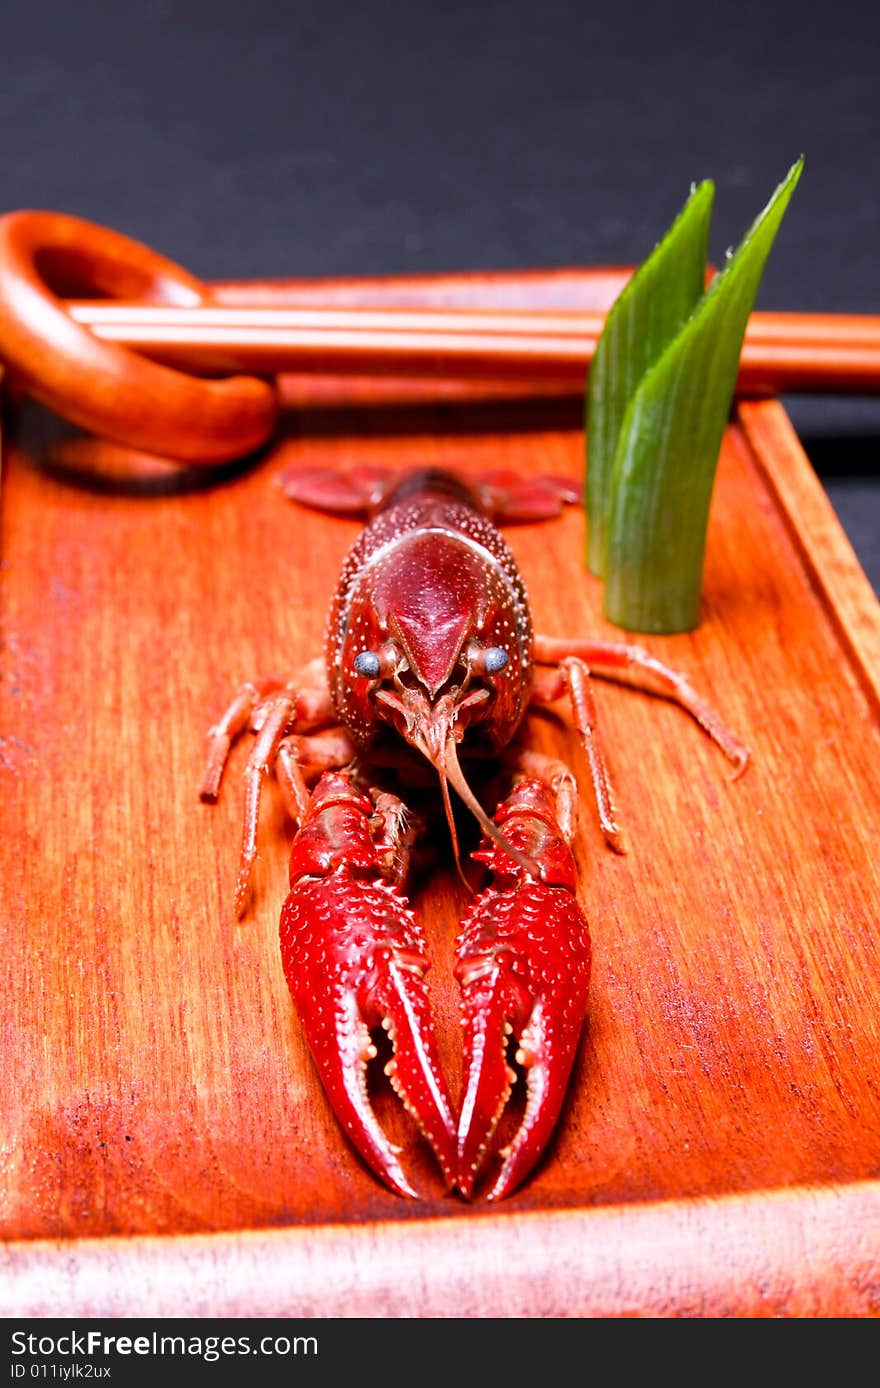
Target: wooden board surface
x: 163, y: 1134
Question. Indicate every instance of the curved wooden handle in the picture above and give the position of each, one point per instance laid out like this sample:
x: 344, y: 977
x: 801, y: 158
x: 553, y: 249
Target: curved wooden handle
x: 101, y: 386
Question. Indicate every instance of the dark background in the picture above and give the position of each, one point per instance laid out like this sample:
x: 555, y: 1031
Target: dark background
x: 258, y: 139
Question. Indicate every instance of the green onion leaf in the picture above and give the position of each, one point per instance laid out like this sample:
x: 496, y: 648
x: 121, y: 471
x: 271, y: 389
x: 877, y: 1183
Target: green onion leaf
x: 644, y: 318
x: 666, y: 457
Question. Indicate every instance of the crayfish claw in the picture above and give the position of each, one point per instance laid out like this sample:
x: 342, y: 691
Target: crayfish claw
x: 489, y: 1075
x: 524, y: 971
x: 547, y: 1076
x: 354, y: 959
x: 342, y: 1051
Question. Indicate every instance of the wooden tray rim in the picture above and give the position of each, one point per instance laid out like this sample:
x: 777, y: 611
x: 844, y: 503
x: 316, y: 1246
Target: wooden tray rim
x: 804, y: 1251
x: 795, y: 1251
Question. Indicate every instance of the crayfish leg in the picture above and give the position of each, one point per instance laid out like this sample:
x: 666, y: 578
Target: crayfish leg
x: 302, y: 757
x: 271, y: 708
x: 237, y: 716
x: 277, y: 713
x: 572, y: 677
x: 525, y: 763
x: 625, y: 658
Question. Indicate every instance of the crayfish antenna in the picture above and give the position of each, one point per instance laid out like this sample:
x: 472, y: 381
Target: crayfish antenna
x: 453, y: 832
x: 450, y: 769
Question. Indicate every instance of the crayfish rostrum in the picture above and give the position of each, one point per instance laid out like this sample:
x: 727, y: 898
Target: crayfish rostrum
x: 431, y: 661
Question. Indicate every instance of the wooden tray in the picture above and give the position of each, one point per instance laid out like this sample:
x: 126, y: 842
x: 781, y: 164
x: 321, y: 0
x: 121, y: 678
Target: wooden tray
x: 165, y: 1148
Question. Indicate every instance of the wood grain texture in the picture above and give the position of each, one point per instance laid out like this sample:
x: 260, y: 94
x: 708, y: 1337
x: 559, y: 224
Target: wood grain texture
x: 826, y: 553
x: 163, y: 1132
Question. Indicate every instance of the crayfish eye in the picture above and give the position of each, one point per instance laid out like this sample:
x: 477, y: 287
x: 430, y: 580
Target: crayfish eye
x: 494, y: 659
x: 368, y: 664
x: 485, y: 660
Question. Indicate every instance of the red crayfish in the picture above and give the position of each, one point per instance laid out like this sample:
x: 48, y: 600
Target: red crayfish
x: 430, y: 659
